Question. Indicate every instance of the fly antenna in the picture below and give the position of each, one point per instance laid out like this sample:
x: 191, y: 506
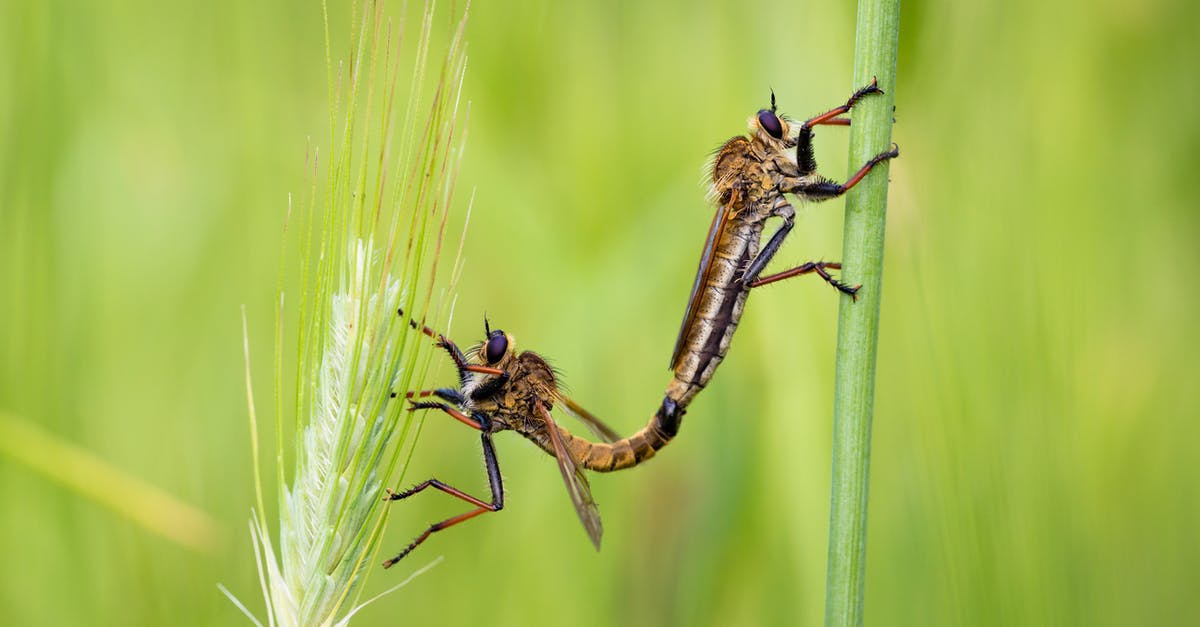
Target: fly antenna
x: 487, y: 329
x: 772, y: 101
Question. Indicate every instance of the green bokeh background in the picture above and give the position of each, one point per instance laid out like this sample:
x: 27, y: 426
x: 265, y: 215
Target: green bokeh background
x: 1036, y: 435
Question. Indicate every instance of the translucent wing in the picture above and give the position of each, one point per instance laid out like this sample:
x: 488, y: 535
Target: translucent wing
x: 577, y: 483
x: 594, y: 424
x: 714, y: 234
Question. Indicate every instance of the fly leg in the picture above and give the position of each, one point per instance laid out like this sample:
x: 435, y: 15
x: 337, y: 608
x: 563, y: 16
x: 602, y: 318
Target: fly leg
x: 481, y: 507
x: 764, y: 256
x: 447, y: 394
x: 456, y: 354
x: 811, y: 189
x: 470, y: 421
x: 750, y: 277
x: 804, y: 150
x: 823, y: 189
x: 489, y: 387
x: 819, y: 267
x: 452, y: 395
x: 830, y: 116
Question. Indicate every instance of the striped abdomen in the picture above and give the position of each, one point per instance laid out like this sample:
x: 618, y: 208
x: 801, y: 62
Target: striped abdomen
x: 715, y: 310
x: 610, y: 456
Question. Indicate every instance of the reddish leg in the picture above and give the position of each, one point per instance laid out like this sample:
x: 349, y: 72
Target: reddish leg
x: 447, y: 394
x: 829, y: 116
x: 456, y: 355
x: 825, y: 189
x: 452, y: 412
x: 817, y: 267
x: 481, y: 506
x: 804, y: 151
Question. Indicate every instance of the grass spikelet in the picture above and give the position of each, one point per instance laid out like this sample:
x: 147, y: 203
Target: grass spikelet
x: 370, y: 238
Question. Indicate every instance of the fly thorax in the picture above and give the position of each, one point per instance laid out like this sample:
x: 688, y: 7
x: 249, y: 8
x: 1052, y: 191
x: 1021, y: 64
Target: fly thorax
x: 533, y: 423
x: 760, y: 197
x: 486, y: 406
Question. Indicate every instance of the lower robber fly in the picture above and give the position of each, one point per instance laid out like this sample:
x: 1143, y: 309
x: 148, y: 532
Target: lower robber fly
x: 503, y: 390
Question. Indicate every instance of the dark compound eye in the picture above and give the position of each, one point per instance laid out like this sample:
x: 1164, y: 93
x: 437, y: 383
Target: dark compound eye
x: 497, y: 345
x: 770, y: 123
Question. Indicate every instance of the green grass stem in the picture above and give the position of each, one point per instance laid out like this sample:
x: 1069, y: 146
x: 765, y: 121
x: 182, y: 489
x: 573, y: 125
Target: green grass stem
x: 876, y: 42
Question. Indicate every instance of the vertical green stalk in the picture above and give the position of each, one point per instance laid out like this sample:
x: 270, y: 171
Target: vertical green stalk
x: 876, y: 39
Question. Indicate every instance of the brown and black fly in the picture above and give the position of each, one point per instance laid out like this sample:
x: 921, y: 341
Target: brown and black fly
x: 501, y: 389
x: 751, y: 178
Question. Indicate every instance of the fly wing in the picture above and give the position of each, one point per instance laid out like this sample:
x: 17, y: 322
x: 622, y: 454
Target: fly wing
x: 706, y: 257
x: 594, y: 424
x: 577, y: 483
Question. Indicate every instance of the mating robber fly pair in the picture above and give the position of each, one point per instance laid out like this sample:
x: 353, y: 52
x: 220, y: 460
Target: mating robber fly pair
x: 500, y: 389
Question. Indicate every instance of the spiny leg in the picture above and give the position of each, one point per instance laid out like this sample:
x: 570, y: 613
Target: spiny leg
x: 824, y: 189
x: 484, y: 390
x: 828, y: 116
x: 814, y: 190
x: 804, y: 150
x: 481, y: 506
x: 447, y: 394
x: 818, y: 190
x: 456, y: 354
x: 489, y: 387
x: 817, y: 267
x: 475, y: 422
x: 418, y: 326
x: 750, y: 276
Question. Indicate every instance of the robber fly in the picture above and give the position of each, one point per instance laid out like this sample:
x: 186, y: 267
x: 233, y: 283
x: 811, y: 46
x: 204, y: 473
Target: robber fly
x: 501, y: 389
x: 750, y: 177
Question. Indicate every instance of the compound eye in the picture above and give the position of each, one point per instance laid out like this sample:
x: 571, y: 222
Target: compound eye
x: 770, y: 123
x: 497, y: 345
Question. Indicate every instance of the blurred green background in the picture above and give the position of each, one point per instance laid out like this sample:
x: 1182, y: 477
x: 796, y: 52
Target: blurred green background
x: 1035, y: 442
